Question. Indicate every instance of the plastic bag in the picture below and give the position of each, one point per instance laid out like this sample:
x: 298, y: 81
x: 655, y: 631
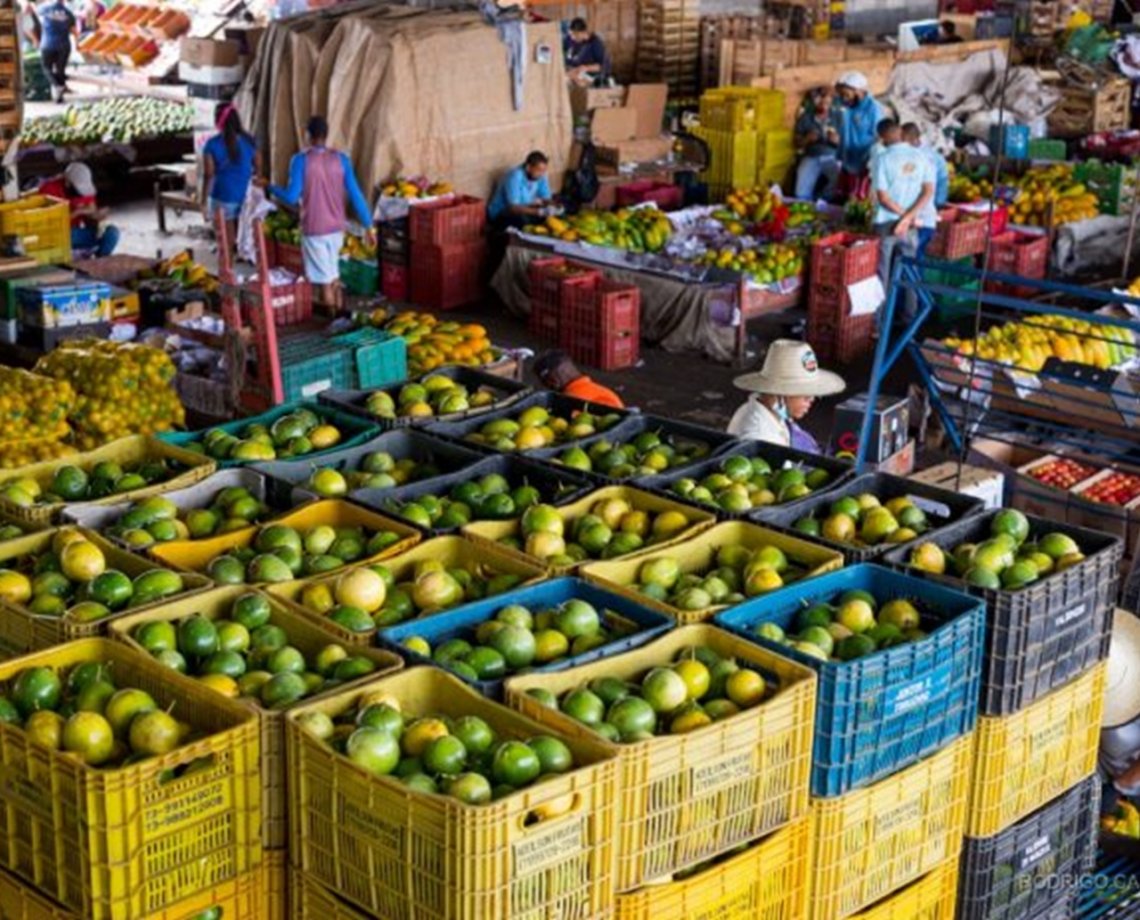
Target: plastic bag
x: 255, y: 208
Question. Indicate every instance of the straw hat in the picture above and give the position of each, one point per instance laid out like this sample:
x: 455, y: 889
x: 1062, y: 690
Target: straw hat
x: 791, y: 369
x: 1122, y: 693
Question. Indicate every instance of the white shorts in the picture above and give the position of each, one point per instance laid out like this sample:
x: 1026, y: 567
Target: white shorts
x: 321, y: 256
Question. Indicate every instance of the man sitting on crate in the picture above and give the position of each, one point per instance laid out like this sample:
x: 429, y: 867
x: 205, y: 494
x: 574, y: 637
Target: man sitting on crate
x: 321, y: 179
x: 521, y: 195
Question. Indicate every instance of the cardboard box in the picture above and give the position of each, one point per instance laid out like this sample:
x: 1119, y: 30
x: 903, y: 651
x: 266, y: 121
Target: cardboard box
x: 586, y: 99
x: 890, y: 425
x: 210, y: 52
x: 210, y: 74
x: 648, y: 101
x: 641, y: 150
x: 898, y: 464
x: 614, y: 126
x: 248, y: 38
x: 1105, y: 400
x: 988, y: 485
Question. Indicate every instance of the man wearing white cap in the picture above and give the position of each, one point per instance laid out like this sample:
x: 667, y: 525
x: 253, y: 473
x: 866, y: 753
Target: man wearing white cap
x: 78, y: 186
x: 782, y: 393
x: 861, y: 116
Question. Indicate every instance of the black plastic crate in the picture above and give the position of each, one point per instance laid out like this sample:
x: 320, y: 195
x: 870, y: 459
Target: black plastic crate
x: 670, y: 430
x: 777, y: 456
x: 1041, y: 637
x: 286, y: 479
x: 506, y: 390
x: 557, y: 487
x: 941, y: 507
x: 1033, y: 869
x: 555, y: 403
x: 46, y: 339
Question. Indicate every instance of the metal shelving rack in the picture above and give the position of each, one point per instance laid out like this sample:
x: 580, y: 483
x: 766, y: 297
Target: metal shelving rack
x: 1066, y: 405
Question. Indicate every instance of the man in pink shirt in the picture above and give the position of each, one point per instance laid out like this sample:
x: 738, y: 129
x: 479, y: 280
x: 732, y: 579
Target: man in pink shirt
x: 322, y: 179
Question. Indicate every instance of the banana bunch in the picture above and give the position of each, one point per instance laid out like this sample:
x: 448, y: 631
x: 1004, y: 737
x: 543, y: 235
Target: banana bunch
x: 754, y: 204
x: 1051, y: 190
x: 1123, y: 820
x: 356, y: 248
x: 182, y: 269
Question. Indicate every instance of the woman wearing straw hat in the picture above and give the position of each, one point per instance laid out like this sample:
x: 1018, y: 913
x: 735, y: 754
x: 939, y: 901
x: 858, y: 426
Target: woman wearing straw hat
x: 783, y: 392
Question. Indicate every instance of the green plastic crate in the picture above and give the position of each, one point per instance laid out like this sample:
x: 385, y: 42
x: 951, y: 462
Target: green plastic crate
x: 1047, y: 148
x: 951, y: 307
x: 376, y: 358
x: 359, y: 277
x: 1112, y: 183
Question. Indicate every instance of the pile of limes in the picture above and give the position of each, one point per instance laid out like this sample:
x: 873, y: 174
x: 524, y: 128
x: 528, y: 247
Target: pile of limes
x: 375, y: 470
x: 463, y: 758
x: 248, y: 655
x: 698, y: 688
x: 865, y: 520
x: 736, y: 573
x: 120, y: 389
x: 492, y: 497
x: 33, y: 407
x: 72, y: 579
x: 73, y: 483
x: 649, y: 453
x: 86, y: 714
x: 434, y: 395
x: 159, y: 520
x: 15, y: 454
x: 282, y: 553
x: 517, y: 639
x: 744, y: 483
x: 536, y: 427
x: 612, y: 527
x: 295, y: 434
x: 367, y: 597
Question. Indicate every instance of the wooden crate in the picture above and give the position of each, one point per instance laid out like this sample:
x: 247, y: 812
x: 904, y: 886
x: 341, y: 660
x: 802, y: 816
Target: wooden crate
x: 1083, y: 111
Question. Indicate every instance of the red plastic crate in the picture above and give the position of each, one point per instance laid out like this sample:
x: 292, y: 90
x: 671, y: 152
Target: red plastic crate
x: 460, y: 219
x: 842, y: 340
x: 958, y: 235
x: 844, y: 258
x: 828, y: 303
x: 446, y: 277
x: 1023, y: 254
x: 394, y: 281
x: 667, y: 197
x: 551, y: 280
x: 287, y: 256
x: 292, y: 303
x: 602, y: 327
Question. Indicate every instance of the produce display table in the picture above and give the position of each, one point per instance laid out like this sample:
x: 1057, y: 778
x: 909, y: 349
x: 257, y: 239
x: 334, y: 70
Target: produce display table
x: 678, y: 312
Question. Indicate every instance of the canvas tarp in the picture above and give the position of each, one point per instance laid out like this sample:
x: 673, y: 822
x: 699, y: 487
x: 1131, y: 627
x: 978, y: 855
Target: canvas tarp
x: 408, y: 92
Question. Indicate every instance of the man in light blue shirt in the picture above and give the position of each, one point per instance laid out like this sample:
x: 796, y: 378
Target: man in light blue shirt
x: 861, y: 116
x: 928, y: 220
x: 521, y: 194
x: 903, y: 186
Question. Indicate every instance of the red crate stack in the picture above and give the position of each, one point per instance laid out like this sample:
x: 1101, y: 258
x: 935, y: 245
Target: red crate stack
x: 448, y: 252
x: 838, y: 261
x: 394, y: 281
x: 550, y: 280
x: 665, y: 195
x: 1023, y: 254
x: 292, y: 303
x: 960, y: 234
x: 601, y: 327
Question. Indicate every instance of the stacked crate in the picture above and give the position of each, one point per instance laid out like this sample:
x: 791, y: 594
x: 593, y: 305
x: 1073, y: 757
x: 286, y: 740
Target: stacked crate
x: 448, y: 252
x: 748, y: 145
x: 11, y: 83
x: 837, y: 262
x: 714, y: 31
x: 394, y: 253
x: 668, y: 45
x: 1034, y: 797
x: 893, y: 746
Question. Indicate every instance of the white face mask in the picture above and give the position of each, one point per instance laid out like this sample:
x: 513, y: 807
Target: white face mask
x: 781, y: 410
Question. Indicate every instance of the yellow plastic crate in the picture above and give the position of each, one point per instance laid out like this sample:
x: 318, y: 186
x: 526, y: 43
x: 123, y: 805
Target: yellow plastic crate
x: 742, y: 108
x: 130, y: 842
x: 733, y: 157
x: 400, y: 853
x: 871, y: 842
x: 304, y: 634
x: 932, y: 897
x: 22, y: 631
x: 769, y: 881
x: 243, y: 897
x: 129, y: 450
x: 276, y: 885
x: 43, y: 225
x: 491, y: 532
x: 775, y: 150
x: 310, y: 900
x: 450, y: 550
x: 1025, y: 760
x: 196, y: 555
x: 687, y: 798
x: 699, y: 555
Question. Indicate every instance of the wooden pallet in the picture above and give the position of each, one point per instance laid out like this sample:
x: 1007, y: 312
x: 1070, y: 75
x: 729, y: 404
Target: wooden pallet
x: 1084, y: 111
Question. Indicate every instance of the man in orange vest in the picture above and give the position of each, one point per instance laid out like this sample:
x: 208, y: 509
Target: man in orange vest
x: 557, y: 372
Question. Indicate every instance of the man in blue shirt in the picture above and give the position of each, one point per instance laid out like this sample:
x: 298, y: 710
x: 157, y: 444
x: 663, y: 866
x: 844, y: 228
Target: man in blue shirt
x: 55, y: 25
x: 521, y: 194
x: 861, y: 117
x: 928, y: 220
x: 902, y: 185
x: 586, y: 58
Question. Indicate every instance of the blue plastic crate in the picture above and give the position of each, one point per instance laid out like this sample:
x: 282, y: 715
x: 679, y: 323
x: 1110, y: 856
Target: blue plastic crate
x: 354, y: 431
x: 883, y: 712
x: 615, y: 609
x: 1016, y: 138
